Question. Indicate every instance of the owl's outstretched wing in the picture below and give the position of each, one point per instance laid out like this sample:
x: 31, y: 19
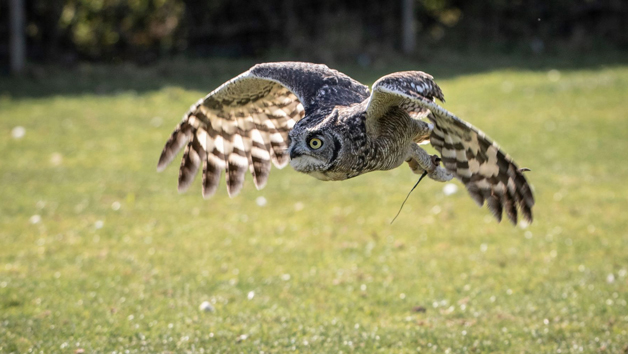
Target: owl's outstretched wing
x: 244, y: 123
x: 487, y: 172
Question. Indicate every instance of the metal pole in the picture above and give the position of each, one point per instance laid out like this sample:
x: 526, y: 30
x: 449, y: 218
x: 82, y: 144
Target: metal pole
x: 408, y: 39
x: 18, y: 37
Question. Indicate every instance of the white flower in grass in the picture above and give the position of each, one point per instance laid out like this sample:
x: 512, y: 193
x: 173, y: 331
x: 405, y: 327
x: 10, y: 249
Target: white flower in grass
x: 261, y: 201
x: 206, y: 306
x: 450, y: 188
x: 35, y: 219
x: 18, y: 132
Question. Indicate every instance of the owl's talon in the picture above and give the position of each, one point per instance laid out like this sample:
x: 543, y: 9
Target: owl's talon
x: 440, y: 174
x: 420, y: 161
x: 437, y: 172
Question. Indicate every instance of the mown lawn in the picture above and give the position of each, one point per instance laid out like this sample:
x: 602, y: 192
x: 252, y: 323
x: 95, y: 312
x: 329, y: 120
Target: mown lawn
x: 99, y: 252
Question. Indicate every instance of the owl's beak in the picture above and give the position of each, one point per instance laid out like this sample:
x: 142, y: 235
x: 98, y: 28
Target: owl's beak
x: 294, y: 154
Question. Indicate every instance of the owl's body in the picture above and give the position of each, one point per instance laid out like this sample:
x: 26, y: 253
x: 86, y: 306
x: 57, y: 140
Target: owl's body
x: 357, y: 151
x: 331, y: 127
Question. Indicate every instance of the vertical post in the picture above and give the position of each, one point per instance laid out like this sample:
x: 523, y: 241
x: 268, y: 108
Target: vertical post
x: 408, y: 30
x: 18, y: 37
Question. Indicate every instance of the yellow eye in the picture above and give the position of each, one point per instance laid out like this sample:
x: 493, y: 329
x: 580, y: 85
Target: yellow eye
x: 316, y: 143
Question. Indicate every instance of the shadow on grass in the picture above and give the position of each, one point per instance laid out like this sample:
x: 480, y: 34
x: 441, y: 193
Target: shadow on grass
x: 206, y: 74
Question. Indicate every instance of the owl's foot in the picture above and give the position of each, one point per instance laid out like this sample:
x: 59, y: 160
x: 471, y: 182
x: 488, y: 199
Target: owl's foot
x: 438, y: 173
x: 420, y: 161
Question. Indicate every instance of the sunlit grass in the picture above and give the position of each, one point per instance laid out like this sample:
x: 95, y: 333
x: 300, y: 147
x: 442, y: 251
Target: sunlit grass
x: 99, y: 252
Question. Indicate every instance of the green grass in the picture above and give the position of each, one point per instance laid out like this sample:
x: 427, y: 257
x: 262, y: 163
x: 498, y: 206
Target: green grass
x: 120, y: 262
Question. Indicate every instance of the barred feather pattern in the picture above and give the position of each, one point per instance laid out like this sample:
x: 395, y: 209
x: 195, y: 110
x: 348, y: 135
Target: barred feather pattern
x: 487, y: 172
x: 244, y: 124
x: 234, y: 132
x: 411, y: 83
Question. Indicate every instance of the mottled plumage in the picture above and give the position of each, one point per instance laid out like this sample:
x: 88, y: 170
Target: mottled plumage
x: 332, y: 127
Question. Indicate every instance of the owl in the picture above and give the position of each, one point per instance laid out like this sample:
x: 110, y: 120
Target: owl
x: 332, y: 127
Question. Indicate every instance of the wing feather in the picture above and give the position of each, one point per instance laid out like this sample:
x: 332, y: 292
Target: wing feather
x: 491, y: 176
x: 192, y: 158
x: 488, y: 173
x: 212, y: 165
x: 177, y: 140
x: 260, y: 151
x: 244, y: 124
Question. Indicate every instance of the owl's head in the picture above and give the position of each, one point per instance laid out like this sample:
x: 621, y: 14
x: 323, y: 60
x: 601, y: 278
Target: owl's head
x: 313, y: 150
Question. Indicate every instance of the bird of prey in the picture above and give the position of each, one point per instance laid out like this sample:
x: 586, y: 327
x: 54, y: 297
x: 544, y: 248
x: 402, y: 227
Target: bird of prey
x: 332, y: 127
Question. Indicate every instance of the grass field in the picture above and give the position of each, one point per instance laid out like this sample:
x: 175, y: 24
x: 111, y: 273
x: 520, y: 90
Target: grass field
x: 99, y: 252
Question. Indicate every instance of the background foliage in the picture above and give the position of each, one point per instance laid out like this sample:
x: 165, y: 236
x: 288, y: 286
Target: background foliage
x: 324, y: 30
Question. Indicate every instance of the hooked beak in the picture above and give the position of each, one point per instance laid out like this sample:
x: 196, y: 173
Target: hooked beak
x: 294, y: 154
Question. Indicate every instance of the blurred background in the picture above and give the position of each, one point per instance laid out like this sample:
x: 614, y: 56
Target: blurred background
x: 99, y: 253
x: 143, y: 31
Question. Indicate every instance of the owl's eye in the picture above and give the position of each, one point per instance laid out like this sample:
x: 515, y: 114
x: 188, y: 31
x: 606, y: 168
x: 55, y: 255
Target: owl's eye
x: 316, y: 143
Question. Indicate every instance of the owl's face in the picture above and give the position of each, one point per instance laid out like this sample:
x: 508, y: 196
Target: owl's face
x: 313, y: 150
